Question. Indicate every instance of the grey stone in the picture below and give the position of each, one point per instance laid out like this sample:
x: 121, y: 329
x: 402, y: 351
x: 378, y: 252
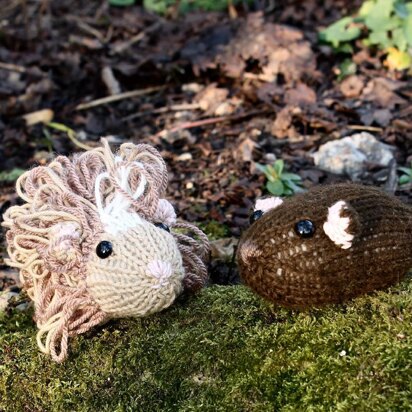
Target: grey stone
x: 24, y: 306
x: 5, y: 298
x: 348, y: 155
x: 224, y: 248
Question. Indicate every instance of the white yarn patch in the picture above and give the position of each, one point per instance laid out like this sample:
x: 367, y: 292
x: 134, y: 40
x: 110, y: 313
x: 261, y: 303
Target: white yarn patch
x: 268, y: 203
x: 114, y: 215
x: 336, y: 226
x: 160, y: 270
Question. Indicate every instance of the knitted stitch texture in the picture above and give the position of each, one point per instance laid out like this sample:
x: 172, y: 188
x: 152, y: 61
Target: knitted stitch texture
x: 362, y: 241
x: 145, y: 261
x: 92, y: 242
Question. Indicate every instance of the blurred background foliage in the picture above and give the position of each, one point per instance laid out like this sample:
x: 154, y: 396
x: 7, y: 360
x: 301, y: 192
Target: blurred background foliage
x: 382, y: 24
x: 183, y: 6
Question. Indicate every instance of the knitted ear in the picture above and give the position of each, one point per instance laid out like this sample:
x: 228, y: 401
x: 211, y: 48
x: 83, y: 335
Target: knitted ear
x: 165, y: 213
x: 268, y: 203
x: 342, y: 224
x: 64, y: 247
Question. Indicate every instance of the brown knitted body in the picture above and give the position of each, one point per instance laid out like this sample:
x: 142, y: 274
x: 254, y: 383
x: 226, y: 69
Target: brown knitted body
x: 297, y: 272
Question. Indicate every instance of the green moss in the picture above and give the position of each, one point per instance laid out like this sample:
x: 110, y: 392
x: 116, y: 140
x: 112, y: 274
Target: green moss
x: 214, y: 230
x: 223, y: 350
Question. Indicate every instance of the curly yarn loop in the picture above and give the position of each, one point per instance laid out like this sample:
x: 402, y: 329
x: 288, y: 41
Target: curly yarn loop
x: 71, y: 205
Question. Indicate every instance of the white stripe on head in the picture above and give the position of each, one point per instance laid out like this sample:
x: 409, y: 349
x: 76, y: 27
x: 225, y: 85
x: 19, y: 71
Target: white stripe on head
x: 336, y: 226
x: 268, y: 203
x: 115, y: 215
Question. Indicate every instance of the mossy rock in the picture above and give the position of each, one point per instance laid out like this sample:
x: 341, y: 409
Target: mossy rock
x: 222, y: 350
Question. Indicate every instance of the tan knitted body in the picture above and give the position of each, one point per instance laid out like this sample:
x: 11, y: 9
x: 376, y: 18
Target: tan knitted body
x: 72, y: 207
x: 375, y: 250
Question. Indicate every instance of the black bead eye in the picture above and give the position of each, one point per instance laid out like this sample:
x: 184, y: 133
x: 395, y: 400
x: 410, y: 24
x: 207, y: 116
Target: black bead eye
x: 104, y: 249
x: 257, y: 214
x: 305, y: 228
x: 162, y: 226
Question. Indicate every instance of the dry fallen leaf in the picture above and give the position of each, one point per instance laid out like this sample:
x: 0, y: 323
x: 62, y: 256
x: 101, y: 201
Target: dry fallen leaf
x: 275, y: 49
x: 244, y: 150
x: 300, y: 95
x: 397, y: 59
x: 223, y: 248
x: 381, y: 90
x: 41, y: 116
x: 352, y: 86
x: 211, y: 98
x: 282, y: 123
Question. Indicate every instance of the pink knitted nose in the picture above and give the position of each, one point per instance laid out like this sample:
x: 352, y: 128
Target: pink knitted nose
x: 161, y: 270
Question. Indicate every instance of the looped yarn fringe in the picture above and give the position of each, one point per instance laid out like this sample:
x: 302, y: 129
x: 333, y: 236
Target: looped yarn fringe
x: 51, y: 236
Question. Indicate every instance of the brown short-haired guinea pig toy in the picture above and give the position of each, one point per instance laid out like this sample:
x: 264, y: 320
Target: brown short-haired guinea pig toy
x: 326, y: 245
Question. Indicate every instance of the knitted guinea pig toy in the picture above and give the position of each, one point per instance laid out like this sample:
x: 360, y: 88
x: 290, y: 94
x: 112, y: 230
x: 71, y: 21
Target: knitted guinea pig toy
x: 95, y: 240
x: 327, y: 245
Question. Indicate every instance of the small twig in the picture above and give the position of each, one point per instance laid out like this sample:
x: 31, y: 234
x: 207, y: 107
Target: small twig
x: 391, y: 183
x: 71, y: 134
x: 206, y: 122
x: 72, y: 137
x: 117, y: 97
x: 89, y: 42
x: 108, y: 35
x: 232, y: 10
x: 86, y: 28
x: 121, y: 47
x: 405, y: 112
x: 402, y: 124
x: 25, y: 17
x: 109, y: 79
x: 7, y: 9
x: 12, y: 67
x: 367, y: 128
x: 172, y: 108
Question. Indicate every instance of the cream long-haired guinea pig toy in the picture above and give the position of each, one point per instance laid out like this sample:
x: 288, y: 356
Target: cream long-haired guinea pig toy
x: 95, y: 240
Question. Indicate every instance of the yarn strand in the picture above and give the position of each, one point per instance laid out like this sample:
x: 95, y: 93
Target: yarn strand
x: 69, y: 203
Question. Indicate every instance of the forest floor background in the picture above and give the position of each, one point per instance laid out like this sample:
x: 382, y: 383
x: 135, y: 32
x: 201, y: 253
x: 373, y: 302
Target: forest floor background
x: 220, y: 93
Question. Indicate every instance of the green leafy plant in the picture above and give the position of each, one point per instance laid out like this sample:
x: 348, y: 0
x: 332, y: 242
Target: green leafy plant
x: 346, y: 68
x: 387, y: 24
x: 407, y: 175
x: 11, y: 176
x: 121, y: 3
x: 343, y: 30
x: 161, y: 6
x: 280, y: 183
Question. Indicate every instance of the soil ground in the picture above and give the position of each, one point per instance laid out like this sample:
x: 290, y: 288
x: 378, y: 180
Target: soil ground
x: 221, y: 93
